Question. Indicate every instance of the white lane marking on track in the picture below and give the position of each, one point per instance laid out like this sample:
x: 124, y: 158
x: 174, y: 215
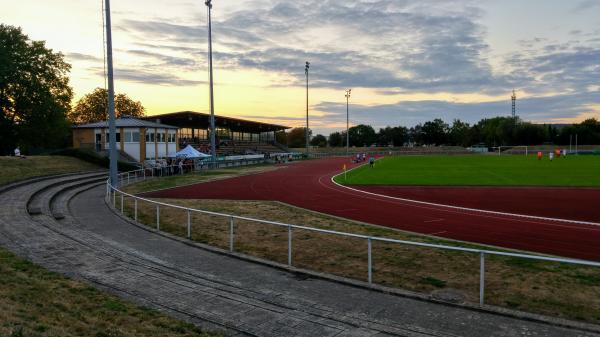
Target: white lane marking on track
x: 466, y: 208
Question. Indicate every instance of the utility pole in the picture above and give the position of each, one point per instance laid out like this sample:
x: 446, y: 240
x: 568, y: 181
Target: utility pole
x: 112, y: 141
x: 348, y: 121
x: 213, y: 146
x: 307, y: 66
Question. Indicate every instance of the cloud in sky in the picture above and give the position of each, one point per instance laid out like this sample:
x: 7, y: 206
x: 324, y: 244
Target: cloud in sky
x: 400, y: 51
x: 548, y: 109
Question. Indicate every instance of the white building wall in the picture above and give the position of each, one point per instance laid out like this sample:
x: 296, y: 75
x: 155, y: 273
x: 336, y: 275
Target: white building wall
x: 150, y: 151
x: 133, y: 149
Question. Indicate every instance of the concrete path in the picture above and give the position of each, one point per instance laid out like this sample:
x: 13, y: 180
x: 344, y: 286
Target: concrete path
x: 89, y: 242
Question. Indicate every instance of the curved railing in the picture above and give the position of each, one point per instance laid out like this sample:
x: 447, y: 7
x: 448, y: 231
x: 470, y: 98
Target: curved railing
x: 138, y: 175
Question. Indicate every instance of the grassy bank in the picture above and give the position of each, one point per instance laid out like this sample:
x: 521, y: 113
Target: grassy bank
x: 14, y: 169
x: 35, y: 302
x: 490, y: 170
x: 547, y: 288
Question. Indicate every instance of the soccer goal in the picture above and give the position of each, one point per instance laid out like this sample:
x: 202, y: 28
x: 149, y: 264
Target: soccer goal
x: 517, y: 149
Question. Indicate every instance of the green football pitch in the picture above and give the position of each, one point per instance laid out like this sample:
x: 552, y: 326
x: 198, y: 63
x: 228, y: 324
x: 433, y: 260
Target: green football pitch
x: 477, y: 170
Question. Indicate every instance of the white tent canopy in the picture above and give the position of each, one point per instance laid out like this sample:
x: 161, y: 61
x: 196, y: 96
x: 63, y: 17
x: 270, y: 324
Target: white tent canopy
x: 190, y: 153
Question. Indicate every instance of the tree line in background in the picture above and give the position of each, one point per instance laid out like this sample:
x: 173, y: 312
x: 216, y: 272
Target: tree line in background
x: 489, y: 132
x: 35, y: 100
x: 35, y: 96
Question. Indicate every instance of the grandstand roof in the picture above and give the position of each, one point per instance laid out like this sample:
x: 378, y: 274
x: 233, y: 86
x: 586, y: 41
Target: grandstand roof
x: 126, y: 122
x: 199, y: 120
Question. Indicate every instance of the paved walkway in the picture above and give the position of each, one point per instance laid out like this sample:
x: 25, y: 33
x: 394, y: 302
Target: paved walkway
x: 219, y: 292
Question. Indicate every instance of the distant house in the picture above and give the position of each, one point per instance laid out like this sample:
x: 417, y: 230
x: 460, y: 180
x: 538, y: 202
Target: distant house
x: 136, y: 138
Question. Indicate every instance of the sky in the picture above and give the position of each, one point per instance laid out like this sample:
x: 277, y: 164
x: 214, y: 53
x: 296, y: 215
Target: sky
x: 406, y: 61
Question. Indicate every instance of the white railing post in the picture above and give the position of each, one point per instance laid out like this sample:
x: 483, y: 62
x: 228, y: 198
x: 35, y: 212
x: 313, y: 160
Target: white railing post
x: 370, y: 260
x: 157, y: 217
x: 144, y: 170
x: 128, y: 176
x: 189, y: 224
x: 122, y: 198
x: 481, y: 278
x: 231, y: 224
x: 135, y: 209
x: 290, y: 246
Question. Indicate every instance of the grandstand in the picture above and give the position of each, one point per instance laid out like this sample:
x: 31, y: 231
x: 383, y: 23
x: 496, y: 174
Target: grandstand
x: 234, y: 136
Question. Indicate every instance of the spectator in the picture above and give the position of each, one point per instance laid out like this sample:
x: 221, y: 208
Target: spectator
x: 17, y: 152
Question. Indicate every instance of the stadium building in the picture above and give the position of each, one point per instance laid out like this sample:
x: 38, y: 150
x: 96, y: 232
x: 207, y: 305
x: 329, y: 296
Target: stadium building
x: 160, y: 136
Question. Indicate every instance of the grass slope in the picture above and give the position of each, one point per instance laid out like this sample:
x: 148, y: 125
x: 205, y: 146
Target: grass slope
x: 476, y: 170
x: 36, y: 302
x: 14, y: 169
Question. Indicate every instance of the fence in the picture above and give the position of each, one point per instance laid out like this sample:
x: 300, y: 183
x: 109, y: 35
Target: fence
x: 133, y: 176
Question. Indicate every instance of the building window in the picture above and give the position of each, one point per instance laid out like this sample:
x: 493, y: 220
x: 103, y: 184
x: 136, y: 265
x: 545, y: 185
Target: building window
x: 132, y: 137
x: 149, y: 137
x: 108, y: 137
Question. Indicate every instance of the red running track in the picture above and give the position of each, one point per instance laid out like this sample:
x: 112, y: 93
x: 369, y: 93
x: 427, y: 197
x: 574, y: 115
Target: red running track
x: 308, y: 185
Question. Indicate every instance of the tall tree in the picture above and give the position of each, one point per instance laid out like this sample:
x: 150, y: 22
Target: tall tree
x: 318, y: 140
x: 93, y: 107
x: 335, y: 139
x: 34, y: 93
x: 459, y: 133
x: 395, y: 136
x: 435, y: 132
x: 362, y: 135
x: 297, y: 137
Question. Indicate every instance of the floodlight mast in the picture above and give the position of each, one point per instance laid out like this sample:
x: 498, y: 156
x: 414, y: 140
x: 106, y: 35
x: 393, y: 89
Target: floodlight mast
x: 213, y: 147
x: 348, y: 121
x: 112, y: 139
x: 307, y: 66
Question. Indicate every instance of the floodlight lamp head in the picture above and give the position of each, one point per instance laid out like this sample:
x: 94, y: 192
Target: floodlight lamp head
x: 208, y: 3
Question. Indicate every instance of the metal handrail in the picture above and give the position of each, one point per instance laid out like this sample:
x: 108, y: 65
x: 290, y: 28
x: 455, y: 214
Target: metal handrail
x: 291, y: 227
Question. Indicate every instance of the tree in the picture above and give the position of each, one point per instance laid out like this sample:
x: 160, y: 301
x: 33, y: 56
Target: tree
x: 34, y: 93
x: 459, y: 133
x: 395, y: 136
x: 93, y: 107
x: 318, y: 140
x: 281, y: 137
x: 362, y: 135
x: 435, y: 132
x: 335, y: 139
x: 296, y: 138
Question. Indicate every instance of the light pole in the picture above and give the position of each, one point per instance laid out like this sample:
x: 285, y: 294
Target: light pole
x: 348, y: 121
x: 213, y: 147
x: 112, y: 141
x: 306, y: 67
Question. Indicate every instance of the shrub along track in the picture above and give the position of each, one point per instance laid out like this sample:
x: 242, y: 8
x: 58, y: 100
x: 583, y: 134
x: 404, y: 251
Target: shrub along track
x: 308, y: 185
x: 68, y: 229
